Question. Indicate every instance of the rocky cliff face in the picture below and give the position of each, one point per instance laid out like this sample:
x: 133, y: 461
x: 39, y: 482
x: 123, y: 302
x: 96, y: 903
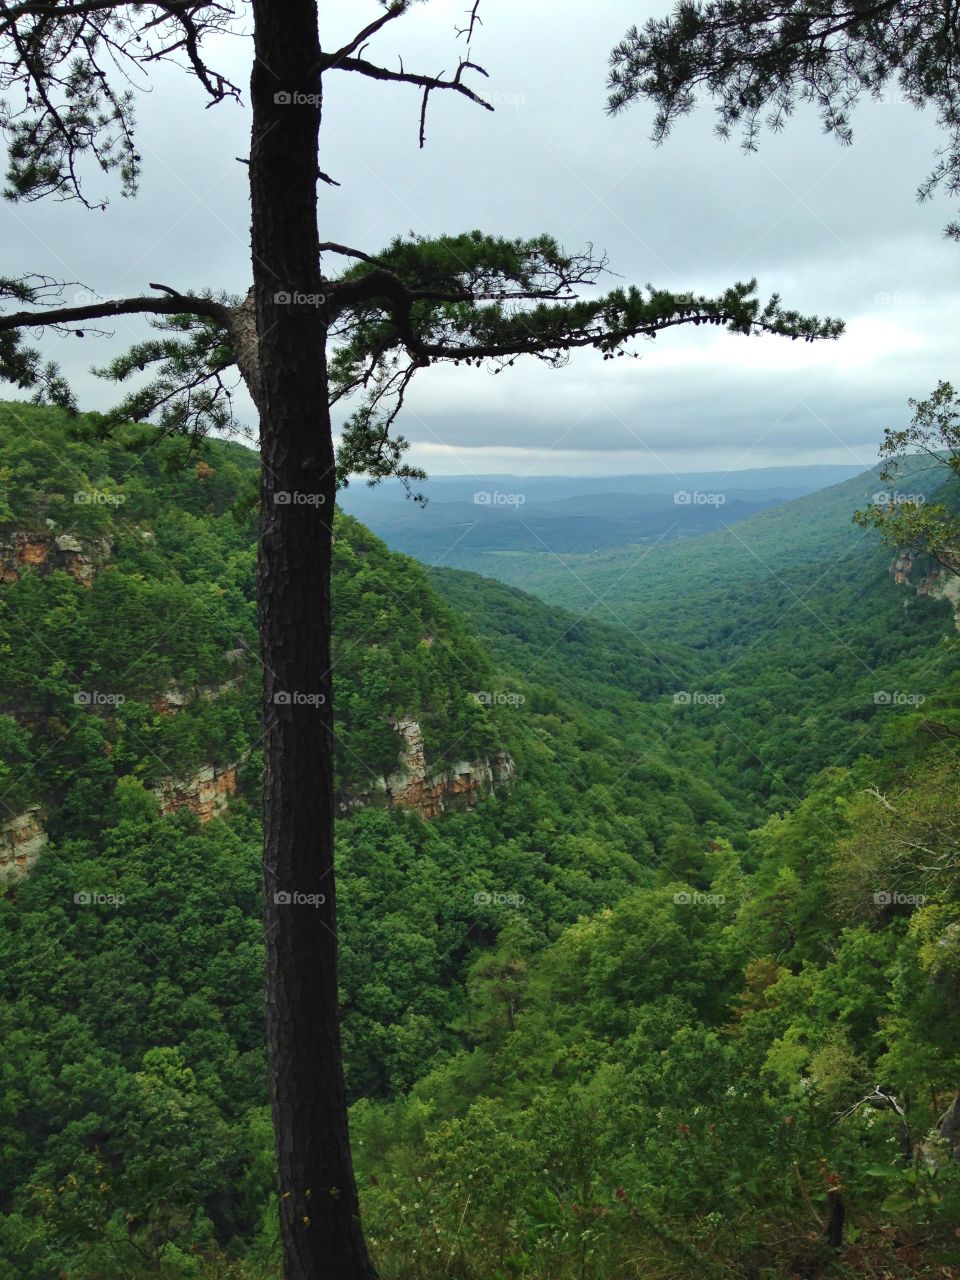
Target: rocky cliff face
x: 936, y: 582
x: 46, y: 551
x: 205, y: 793
x: 413, y: 785
x: 22, y: 840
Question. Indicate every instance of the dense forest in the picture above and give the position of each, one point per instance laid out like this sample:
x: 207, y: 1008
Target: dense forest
x: 668, y: 996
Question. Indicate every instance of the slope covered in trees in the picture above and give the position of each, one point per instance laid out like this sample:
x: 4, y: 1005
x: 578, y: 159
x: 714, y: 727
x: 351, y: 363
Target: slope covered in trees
x: 162, y: 992
x: 633, y: 1014
x: 791, y: 621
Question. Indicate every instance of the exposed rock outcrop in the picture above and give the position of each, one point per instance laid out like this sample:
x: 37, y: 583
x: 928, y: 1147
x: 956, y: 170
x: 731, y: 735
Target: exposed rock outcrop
x: 22, y: 840
x: 902, y: 566
x: 48, y: 551
x: 176, y: 696
x: 937, y: 582
x: 947, y: 587
x: 205, y: 793
x: 414, y: 785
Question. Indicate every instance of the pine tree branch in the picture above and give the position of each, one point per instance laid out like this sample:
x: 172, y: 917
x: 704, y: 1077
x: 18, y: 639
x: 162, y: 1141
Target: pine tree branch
x: 174, y: 304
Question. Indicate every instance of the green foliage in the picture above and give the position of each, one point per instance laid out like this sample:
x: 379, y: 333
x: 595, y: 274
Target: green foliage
x: 475, y: 298
x: 908, y: 520
x: 641, y: 1013
x: 790, y: 617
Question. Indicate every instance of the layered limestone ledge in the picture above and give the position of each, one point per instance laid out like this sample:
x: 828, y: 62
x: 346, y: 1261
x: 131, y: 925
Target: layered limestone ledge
x: 205, y: 793
x: 415, y: 786
x: 22, y: 840
x: 938, y: 583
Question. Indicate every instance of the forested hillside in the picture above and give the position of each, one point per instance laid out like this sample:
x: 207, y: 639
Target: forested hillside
x: 650, y: 958
x: 792, y: 621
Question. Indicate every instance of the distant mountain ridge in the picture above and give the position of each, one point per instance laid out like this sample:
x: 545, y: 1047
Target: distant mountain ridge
x: 467, y: 517
x: 655, y: 585
x: 793, y: 481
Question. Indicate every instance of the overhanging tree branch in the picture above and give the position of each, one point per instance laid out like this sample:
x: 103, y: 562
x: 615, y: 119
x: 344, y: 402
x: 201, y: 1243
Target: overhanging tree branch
x: 173, y: 304
x: 65, y: 72
x: 769, y: 56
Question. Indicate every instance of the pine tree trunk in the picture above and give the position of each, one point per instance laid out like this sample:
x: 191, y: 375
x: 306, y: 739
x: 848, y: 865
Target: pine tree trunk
x: 319, y: 1212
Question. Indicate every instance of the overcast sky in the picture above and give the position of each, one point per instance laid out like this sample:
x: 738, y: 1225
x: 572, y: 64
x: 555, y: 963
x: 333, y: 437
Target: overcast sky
x: 834, y: 230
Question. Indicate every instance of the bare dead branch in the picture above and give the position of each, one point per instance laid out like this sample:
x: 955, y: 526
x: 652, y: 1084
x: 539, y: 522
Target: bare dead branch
x: 473, y: 21
x: 427, y: 83
x: 394, y: 11
x: 877, y: 795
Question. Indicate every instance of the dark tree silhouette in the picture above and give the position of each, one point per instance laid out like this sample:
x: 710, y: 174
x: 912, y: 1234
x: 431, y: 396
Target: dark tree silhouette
x: 470, y: 299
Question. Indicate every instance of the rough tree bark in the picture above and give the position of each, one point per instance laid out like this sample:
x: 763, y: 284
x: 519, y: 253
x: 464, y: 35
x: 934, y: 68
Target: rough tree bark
x: 318, y: 1196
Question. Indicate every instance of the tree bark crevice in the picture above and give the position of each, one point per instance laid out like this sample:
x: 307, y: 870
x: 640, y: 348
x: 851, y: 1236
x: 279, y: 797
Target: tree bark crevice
x: 286, y: 371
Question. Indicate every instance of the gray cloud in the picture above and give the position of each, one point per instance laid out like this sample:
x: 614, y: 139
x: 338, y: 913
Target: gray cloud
x: 833, y: 229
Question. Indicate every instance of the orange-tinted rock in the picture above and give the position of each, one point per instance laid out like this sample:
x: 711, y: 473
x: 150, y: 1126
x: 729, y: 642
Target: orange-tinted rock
x: 32, y: 552
x: 44, y: 552
x: 205, y: 793
x: 414, y: 785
